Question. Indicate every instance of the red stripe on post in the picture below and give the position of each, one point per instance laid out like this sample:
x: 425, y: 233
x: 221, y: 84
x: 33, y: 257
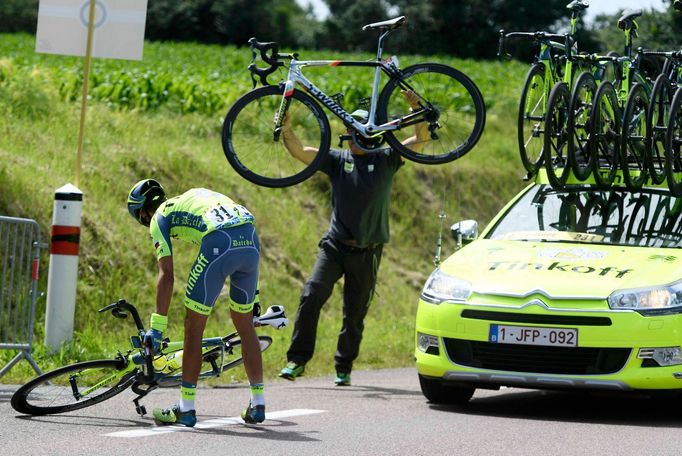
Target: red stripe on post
x: 65, y: 240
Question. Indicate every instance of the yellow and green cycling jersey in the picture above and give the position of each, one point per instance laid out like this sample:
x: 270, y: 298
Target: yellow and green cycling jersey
x: 191, y: 216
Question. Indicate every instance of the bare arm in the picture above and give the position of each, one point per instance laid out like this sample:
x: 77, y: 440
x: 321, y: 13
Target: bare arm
x: 164, y: 285
x: 421, y: 132
x: 297, y: 150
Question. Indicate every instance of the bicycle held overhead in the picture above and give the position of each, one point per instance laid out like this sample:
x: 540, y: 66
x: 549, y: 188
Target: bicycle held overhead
x: 448, y: 101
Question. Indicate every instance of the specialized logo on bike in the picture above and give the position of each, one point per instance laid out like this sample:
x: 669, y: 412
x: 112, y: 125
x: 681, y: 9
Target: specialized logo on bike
x: 196, y: 271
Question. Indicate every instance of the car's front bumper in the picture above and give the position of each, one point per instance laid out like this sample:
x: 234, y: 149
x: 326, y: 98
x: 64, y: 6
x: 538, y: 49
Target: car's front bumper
x: 607, y: 356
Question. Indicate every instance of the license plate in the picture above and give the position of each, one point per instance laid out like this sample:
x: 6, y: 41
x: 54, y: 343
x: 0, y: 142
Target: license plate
x: 533, y: 335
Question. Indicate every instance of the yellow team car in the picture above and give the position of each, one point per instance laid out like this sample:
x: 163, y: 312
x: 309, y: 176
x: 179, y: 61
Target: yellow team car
x: 576, y: 288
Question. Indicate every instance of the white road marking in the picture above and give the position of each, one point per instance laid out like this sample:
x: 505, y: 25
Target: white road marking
x: 217, y: 422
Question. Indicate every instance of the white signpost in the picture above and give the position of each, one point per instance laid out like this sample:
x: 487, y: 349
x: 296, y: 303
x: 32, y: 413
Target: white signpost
x: 90, y: 28
x: 118, y: 28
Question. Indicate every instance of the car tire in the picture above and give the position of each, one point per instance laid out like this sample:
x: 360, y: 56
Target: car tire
x: 438, y: 393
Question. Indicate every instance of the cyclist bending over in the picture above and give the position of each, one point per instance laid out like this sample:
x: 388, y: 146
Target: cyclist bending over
x: 228, y: 246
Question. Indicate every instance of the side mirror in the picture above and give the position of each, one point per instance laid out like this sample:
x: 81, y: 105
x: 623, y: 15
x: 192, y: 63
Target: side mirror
x: 464, y: 232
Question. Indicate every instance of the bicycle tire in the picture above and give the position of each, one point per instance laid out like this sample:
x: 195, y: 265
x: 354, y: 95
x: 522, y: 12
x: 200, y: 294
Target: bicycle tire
x: 531, y: 119
x: 605, y: 134
x: 459, y: 109
x: 657, y: 126
x: 234, y: 359
x: 248, y: 137
x: 556, y: 138
x: 633, y: 141
x: 42, y: 395
x: 582, y: 96
x: 673, y: 146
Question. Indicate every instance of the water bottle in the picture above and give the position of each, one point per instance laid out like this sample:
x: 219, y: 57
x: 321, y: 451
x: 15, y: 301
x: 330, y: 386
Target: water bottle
x: 160, y: 363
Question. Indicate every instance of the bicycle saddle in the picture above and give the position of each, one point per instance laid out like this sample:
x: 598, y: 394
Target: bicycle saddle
x: 390, y: 24
x: 578, y: 5
x: 628, y: 18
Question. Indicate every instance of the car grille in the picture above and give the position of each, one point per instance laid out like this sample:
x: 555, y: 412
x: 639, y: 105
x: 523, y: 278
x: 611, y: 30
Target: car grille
x: 572, y: 320
x: 538, y: 359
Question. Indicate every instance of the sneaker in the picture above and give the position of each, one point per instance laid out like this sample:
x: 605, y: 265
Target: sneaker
x: 292, y: 370
x: 342, y: 379
x: 254, y: 414
x: 173, y: 415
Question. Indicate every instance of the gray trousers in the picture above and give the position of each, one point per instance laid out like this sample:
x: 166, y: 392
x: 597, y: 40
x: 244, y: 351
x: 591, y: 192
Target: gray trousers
x: 359, y: 268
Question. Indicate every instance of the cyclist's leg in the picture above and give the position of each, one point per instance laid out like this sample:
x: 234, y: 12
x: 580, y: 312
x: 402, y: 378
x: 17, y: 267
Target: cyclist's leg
x: 360, y: 280
x: 326, y: 272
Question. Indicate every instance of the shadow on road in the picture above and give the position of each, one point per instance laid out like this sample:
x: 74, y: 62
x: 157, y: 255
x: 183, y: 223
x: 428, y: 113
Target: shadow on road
x: 579, y: 407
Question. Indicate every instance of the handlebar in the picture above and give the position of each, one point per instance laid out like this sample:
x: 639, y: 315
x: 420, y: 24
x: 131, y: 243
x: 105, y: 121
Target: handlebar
x: 269, y: 53
x: 540, y: 36
x: 118, y: 310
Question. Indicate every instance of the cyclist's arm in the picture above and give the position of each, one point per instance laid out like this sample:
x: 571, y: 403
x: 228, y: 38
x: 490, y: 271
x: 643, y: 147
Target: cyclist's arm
x: 421, y: 132
x: 164, y: 285
x: 297, y: 150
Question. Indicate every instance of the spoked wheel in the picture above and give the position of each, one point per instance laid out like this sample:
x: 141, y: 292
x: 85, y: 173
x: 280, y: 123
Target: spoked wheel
x: 73, y: 387
x: 260, y: 156
x: 556, y: 135
x: 452, y: 113
x: 531, y: 119
x: 633, y: 141
x: 673, y: 156
x: 605, y: 135
x: 582, y: 98
x: 657, y: 127
x: 217, y: 360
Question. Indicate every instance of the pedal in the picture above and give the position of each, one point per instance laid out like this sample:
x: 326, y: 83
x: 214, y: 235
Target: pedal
x: 140, y: 409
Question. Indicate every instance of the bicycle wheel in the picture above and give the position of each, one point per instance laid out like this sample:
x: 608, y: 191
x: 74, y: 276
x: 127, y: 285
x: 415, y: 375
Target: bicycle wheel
x: 673, y: 146
x: 604, y: 135
x: 657, y: 126
x: 250, y: 146
x: 211, y: 360
x: 633, y: 143
x: 556, y: 135
x: 580, y: 106
x: 455, y: 116
x: 531, y: 118
x: 73, y: 387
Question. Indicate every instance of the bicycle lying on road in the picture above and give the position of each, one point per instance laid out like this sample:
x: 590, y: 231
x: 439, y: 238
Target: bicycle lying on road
x: 449, y: 102
x: 87, y: 383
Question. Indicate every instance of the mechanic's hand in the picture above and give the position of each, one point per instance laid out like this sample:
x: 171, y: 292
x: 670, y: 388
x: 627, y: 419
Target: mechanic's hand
x: 154, y: 336
x: 412, y: 98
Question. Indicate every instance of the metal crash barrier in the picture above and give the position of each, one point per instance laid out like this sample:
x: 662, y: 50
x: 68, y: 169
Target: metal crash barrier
x: 20, y: 247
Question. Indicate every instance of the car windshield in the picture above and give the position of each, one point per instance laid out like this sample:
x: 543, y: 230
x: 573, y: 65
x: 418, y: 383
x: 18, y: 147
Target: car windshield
x: 651, y: 218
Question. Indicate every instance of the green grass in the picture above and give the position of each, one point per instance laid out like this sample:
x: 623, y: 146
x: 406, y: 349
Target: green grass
x: 126, y: 141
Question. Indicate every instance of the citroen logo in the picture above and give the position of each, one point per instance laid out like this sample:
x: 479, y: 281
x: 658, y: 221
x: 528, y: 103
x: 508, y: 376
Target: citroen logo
x: 535, y: 302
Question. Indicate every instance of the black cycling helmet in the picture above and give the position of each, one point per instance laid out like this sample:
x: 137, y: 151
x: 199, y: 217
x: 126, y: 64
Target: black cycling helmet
x: 146, y: 194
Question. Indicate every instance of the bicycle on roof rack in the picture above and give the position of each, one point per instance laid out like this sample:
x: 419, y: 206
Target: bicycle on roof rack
x: 450, y: 106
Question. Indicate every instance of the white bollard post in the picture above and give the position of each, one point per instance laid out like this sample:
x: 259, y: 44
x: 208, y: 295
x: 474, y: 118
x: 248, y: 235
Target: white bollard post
x: 63, y: 272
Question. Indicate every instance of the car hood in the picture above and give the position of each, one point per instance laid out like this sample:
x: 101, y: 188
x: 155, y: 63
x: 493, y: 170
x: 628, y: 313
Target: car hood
x: 561, y: 270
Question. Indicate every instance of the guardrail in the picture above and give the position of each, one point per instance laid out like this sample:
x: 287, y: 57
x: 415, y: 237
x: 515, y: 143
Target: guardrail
x: 20, y: 247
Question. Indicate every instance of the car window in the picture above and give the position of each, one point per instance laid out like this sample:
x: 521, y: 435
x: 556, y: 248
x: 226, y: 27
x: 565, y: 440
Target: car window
x: 651, y: 218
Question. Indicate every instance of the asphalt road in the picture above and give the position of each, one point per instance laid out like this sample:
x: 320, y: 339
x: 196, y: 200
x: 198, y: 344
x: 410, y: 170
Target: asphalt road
x: 383, y: 413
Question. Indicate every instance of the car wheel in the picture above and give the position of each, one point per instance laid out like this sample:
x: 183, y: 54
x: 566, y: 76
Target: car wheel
x: 438, y: 393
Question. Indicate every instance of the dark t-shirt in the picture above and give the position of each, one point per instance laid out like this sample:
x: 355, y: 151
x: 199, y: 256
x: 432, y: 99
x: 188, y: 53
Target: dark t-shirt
x: 361, y: 188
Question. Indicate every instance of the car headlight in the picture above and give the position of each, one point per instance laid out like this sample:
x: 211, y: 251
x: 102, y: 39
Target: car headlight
x: 443, y: 287
x: 651, y: 300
